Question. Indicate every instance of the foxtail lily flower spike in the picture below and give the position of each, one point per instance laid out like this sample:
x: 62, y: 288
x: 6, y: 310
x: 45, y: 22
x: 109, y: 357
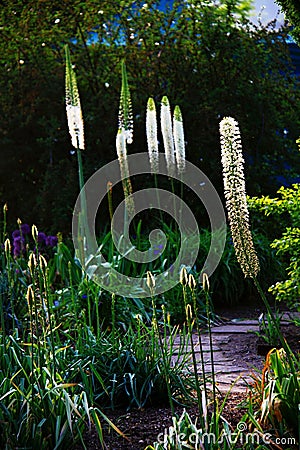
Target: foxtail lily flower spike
x: 235, y: 195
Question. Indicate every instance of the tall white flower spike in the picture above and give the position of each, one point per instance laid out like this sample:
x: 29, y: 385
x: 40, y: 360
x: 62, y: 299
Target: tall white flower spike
x: 167, y: 133
x: 179, y: 140
x: 73, y: 107
x: 151, y: 131
x: 235, y: 196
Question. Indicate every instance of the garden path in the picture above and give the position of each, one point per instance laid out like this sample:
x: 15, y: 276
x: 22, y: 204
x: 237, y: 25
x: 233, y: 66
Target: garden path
x: 235, y: 356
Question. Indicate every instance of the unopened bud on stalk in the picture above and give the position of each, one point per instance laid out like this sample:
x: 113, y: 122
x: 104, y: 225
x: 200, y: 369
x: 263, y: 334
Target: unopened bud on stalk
x: 189, y: 313
x: 5, y: 208
x: 19, y: 222
x: 34, y: 232
x: 192, y: 282
x: 183, y: 277
x: 7, y: 246
x: 150, y: 281
x: 205, y: 282
x: 30, y: 296
x: 43, y: 263
x: 32, y: 263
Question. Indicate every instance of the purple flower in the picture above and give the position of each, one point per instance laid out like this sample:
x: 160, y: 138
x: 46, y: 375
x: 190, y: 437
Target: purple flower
x: 51, y: 241
x: 18, y: 244
x: 25, y: 228
x: 41, y: 238
x: 18, y: 241
x: 17, y: 252
x: 15, y: 234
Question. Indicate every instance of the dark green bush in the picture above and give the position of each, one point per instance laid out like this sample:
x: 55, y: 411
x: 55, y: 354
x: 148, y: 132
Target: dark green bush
x: 287, y: 247
x: 198, y: 56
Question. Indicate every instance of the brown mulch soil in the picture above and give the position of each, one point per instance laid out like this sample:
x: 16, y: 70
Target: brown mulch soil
x: 142, y: 426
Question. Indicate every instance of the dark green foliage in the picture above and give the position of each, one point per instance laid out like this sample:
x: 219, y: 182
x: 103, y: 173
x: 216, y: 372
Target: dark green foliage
x: 196, y: 56
x: 287, y: 247
x: 127, y: 368
x: 291, y: 9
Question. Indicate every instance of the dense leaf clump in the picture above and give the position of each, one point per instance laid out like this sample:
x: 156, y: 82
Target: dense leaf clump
x: 211, y: 61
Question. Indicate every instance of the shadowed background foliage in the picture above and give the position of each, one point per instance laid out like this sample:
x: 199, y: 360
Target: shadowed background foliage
x: 209, y: 60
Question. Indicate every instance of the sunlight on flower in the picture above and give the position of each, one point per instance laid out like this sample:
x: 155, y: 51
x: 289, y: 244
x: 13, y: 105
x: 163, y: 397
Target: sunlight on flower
x: 151, y: 131
x: 235, y: 195
x: 167, y: 132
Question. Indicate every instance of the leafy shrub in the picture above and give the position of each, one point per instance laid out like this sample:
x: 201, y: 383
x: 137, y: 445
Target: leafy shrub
x: 209, y: 47
x: 38, y: 408
x: 288, y: 245
x: 132, y: 368
x: 274, y: 398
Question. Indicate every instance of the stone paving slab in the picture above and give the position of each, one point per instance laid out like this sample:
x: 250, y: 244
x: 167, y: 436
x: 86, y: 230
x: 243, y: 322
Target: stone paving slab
x: 291, y: 315
x: 236, y: 328
x: 228, y: 369
x: 204, y: 339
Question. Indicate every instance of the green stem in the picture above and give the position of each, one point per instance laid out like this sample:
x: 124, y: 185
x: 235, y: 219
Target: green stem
x: 4, y: 223
x: 74, y: 308
x: 208, y: 312
x: 10, y: 287
x: 49, y: 308
x: 190, y: 336
x: 158, y: 199
x: 113, y: 316
x: 80, y: 169
x: 287, y: 349
x: 200, y: 345
x: 166, y: 368
x: 89, y: 311
x: 97, y: 316
x: 3, y: 333
x: 83, y: 228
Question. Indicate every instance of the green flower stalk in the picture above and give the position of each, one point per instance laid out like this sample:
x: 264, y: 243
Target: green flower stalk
x: 235, y: 195
x: 151, y: 131
x: 150, y: 281
x: 167, y: 133
x: 123, y: 161
x: 5, y: 209
x: 236, y: 203
x: 73, y: 107
x: 183, y: 277
x: 110, y: 200
x: 179, y: 140
x: 75, y: 120
x: 125, y: 136
x: 125, y: 108
x: 76, y: 130
x: 34, y: 232
x: 7, y: 247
